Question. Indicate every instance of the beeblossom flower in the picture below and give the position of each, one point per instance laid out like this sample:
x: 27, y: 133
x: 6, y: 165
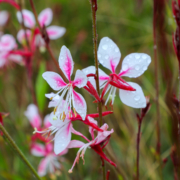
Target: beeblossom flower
x: 8, y: 51
x: 50, y: 162
x: 133, y: 66
x: 73, y: 99
x: 44, y: 18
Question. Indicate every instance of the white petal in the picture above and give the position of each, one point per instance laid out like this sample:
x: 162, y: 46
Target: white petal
x: 3, y: 17
x: 62, y: 138
x: 16, y: 58
x: 108, y: 54
x: 55, y: 32
x: 79, y: 104
x: 75, y: 144
x: 33, y: 116
x: 29, y: 19
x: 43, y: 166
x: 80, y: 79
x: 21, y: 35
x: 66, y: 62
x: 7, y: 43
x: 135, y: 99
x: 135, y: 64
x: 46, y: 121
x: 92, y: 70
x: 45, y: 17
x: 54, y: 80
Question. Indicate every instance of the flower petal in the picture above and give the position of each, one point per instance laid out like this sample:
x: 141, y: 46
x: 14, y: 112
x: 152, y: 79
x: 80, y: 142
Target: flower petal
x: 108, y: 54
x: 38, y: 150
x: 135, y: 99
x: 75, y: 144
x: 29, y: 19
x: 66, y: 62
x: 21, y: 35
x: 45, y: 17
x: 92, y: 70
x: 55, y: 32
x: 91, y: 129
x: 16, y: 58
x: 43, y: 166
x: 135, y: 64
x: 54, y: 80
x: 33, y: 116
x: 80, y: 79
x: 4, y: 15
x: 62, y: 138
x: 79, y: 104
x: 46, y: 121
x: 7, y: 43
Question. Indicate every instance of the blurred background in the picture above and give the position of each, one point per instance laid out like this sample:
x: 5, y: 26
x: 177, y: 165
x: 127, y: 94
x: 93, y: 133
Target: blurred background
x: 130, y: 25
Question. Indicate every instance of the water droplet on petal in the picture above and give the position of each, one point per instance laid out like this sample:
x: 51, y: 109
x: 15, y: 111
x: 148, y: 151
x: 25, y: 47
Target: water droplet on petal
x: 116, y: 50
x: 61, y: 57
x: 105, y: 46
x: 137, y: 98
x: 101, y: 62
x: 99, y: 55
x: 148, y: 61
x: 137, y: 56
x: 106, y: 57
x: 144, y: 68
x: 137, y: 67
x: 125, y: 67
x: 107, y: 40
x: 144, y: 56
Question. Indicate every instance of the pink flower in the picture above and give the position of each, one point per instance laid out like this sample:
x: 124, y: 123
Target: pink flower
x: 97, y: 144
x: 133, y: 66
x: 73, y: 99
x: 50, y: 162
x: 4, y: 16
x: 8, y: 50
x: 45, y: 18
x: 35, y: 120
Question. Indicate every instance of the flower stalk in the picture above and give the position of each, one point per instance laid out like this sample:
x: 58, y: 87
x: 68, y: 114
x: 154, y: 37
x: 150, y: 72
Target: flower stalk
x: 17, y: 150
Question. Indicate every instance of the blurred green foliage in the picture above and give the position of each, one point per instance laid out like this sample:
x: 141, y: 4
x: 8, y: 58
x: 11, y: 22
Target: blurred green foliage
x: 129, y: 24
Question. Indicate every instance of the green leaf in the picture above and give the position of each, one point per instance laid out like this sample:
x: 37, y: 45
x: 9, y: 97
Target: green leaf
x: 41, y: 87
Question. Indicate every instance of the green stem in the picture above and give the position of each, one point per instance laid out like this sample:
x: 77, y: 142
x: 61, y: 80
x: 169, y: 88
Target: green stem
x: 17, y: 150
x: 94, y: 9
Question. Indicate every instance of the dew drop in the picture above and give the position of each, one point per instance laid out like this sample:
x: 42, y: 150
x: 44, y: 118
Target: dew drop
x: 137, y: 67
x: 106, y: 57
x: 144, y: 56
x: 63, y: 145
x: 61, y: 57
x: 144, y: 68
x: 101, y: 62
x: 137, y: 98
x: 105, y: 46
x: 137, y: 56
x: 148, y: 61
x: 86, y: 71
x: 107, y: 40
x: 116, y: 50
x: 125, y: 67
x: 99, y: 55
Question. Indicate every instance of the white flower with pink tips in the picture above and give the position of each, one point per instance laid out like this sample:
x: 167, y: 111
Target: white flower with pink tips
x: 73, y: 99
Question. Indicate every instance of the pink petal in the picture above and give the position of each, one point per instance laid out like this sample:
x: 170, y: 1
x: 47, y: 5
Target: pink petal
x: 43, y: 166
x: 7, y: 43
x: 39, y: 41
x: 135, y: 64
x: 3, y: 60
x: 66, y: 62
x: 54, y: 80
x: 21, y: 35
x: 38, y: 150
x: 135, y: 99
x: 16, y: 58
x: 46, y: 121
x: 102, y: 75
x: 108, y: 54
x: 80, y: 79
x: 33, y: 116
x: 75, y: 144
x: 63, y: 152
x: 79, y: 104
x: 45, y: 17
x: 4, y: 15
x: 91, y: 130
x: 78, y: 133
x: 29, y: 19
x: 55, y: 32
x: 62, y: 138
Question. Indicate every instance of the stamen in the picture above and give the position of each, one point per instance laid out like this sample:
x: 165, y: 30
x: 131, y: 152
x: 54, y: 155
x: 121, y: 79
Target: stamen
x: 69, y: 114
x: 75, y: 113
x: 55, y: 118
x: 35, y: 130
x: 63, y: 116
x: 51, y: 98
x: 55, y: 109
